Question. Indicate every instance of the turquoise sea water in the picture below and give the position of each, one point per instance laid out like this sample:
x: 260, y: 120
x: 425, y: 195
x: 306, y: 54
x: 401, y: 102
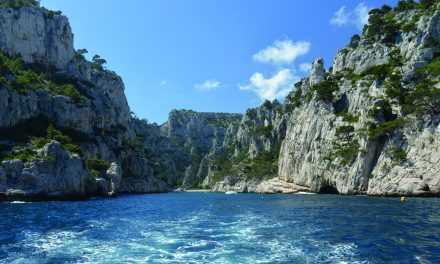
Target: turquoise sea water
x: 219, y: 228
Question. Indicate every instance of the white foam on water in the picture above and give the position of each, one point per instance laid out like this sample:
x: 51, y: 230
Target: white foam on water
x: 18, y: 202
x: 337, y: 253
x: 248, y: 237
x: 305, y: 193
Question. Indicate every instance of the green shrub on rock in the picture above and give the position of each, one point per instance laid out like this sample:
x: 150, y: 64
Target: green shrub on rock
x: 17, y: 4
x: 404, y: 5
x: 345, y: 146
x: 427, y: 4
x: 347, y: 117
x: 325, y: 89
x: 98, y: 63
x: 293, y: 100
x: 381, y: 26
x: 24, y: 154
x: 97, y: 166
x: 394, y: 88
x: 385, y: 129
x: 25, y: 78
x: 265, y: 131
x: 432, y: 69
x: 379, y: 72
x: 424, y: 99
x: 397, y: 155
x: 354, y: 41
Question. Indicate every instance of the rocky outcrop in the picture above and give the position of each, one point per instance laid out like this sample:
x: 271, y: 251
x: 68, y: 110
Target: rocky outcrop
x: 317, y: 72
x: 271, y: 186
x: 56, y: 174
x: 250, y: 150
x: 309, y: 140
x: 418, y: 174
x: 355, y: 130
x: 37, y: 35
x: 146, y: 185
x: 96, y: 124
x: 388, y: 150
x: 415, y: 44
x: 192, y: 136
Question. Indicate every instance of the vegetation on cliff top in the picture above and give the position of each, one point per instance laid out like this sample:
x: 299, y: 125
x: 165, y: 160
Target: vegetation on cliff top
x: 382, y: 24
x: 16, y: 4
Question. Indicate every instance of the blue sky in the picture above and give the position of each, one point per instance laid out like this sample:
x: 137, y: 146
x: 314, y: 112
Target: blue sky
x: 211, y: 56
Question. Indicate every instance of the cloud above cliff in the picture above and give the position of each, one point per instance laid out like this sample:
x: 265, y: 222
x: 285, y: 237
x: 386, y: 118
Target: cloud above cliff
x: 271, y: 88
x: 282, y: 52
x: 207, y: 85
x: 357, y: 17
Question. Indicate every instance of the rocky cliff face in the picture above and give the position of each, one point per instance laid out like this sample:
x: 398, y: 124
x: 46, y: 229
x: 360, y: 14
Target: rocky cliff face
x: 65, y: 125
x: 37, y: 36
x: 249, y: 154
x: 192, y: 136
x: 366, y: 127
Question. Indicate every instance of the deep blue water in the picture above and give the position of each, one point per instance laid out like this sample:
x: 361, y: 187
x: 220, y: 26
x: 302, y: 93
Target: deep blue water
x: 219, y: 228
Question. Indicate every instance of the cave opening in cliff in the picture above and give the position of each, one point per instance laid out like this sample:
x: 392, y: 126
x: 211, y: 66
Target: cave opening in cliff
x: 328, y: 190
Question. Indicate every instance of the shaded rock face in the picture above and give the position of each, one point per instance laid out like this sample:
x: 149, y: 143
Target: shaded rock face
x: 257, y: 138
x: 36, y: 37
x: 192, y: 136
x: 143, y: 185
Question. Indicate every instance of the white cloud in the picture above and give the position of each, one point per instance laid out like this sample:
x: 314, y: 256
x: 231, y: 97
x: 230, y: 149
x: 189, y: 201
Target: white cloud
x: 361, y: 12
x: 275, y: 87
x: 208, y: 85
x: 357, y: 17
x: 282, y: 52
x: 163, y: 83
x: 305, y: 67
x: 340, y: 17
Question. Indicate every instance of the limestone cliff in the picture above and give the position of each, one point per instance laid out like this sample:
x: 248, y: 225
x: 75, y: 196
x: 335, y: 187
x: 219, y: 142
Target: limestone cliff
x: 371, y: 125
x: 368, y: 125
x: 191, y: 137
x: 37, y: 36
x: 65, y: 125
x: 249, y: 154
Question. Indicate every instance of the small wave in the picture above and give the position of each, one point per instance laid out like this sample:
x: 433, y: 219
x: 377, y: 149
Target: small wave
x: 305, y: 193
x: 17, y: 202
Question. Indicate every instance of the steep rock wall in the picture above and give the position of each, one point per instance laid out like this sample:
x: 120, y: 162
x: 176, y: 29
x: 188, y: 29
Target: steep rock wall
x: 402, y: 160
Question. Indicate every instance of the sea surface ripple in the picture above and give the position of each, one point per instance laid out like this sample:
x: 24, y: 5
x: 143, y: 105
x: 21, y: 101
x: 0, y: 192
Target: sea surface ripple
x: 219, y: 228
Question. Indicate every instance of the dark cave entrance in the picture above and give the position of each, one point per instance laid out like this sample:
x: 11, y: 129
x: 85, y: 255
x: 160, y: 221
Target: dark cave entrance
x: 328, y: 190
